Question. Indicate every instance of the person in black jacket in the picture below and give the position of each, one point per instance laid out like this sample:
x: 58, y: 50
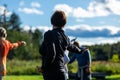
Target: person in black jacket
x: 53, y: 47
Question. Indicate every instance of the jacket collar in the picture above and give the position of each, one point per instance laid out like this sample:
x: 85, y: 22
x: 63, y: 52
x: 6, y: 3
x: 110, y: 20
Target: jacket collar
x: 59, y: 29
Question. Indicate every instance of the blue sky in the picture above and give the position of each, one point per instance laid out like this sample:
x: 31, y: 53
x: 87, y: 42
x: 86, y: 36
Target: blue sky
x: 91, y: 21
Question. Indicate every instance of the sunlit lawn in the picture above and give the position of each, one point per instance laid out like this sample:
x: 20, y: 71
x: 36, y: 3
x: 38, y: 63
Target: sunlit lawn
x: 24, y: 77
x: 113, y: 77
x: 39, y: 77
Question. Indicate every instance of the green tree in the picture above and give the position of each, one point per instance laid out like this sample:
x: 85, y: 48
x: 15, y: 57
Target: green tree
x: 22, y: 52
x: 36, y: 39
x: 4, y: 20
x: 15, y: 21
x: 28, y: 52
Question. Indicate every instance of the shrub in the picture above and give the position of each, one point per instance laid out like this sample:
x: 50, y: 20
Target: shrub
x: 115, y: 58
x: 17, y: 67
x: 100, y: 66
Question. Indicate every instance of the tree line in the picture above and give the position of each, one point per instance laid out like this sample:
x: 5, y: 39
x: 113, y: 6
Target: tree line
x: 106, y: 52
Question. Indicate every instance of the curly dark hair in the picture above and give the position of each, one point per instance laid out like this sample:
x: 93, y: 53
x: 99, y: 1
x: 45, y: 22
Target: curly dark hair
x: 76, y: 43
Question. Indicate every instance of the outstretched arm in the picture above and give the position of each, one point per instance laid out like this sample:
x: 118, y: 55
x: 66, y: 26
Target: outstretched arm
x: 17, y: 44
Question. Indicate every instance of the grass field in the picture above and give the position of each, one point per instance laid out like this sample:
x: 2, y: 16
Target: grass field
x: 39, y: 77
x: 113, y: 77
x: 23, y: 77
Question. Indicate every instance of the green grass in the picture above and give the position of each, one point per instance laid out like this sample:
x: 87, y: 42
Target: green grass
x: 39, y: 77
x: 26, y: 70
x: 23, y: 77
x: 113, y: 77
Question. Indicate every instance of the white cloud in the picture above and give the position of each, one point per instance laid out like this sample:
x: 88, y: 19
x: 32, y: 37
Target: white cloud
x: 98, y: 9
x: 96, y: 40
x: 44, y: 28
x: 83, y: 30
x: 95, y: 8
x: 114, y: 6
x: 2, y: 9
x: 33, y: 28
x: 64, y: 7
x: 35, y: 4
x: 30, y: 11
x: 80, y: 12
x: 26, y: 28
x: 99, y: 40
x: 8, y: 13
x: 113, y: 29
x: 81, y: 27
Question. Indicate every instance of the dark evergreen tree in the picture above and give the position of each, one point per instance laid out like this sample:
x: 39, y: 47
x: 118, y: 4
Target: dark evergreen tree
x: 15, y: 21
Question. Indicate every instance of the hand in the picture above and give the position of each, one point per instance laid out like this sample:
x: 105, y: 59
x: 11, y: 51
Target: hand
x: 23, y: 43
x: 83, y: 50
x: 87, y: 70
x: 39, y: 69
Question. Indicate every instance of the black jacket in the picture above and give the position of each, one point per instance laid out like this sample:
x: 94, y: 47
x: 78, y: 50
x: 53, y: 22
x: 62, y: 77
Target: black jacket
x: 52, y: 50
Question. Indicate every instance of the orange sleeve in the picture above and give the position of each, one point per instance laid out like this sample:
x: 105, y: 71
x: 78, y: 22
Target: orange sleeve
x: 14, y: 45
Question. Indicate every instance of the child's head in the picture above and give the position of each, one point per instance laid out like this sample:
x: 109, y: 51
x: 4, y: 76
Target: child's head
x: 58, y: 19
x: 3, y: 33
x: 76, y: 44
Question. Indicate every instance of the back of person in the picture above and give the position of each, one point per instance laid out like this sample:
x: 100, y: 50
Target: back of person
x: 52, y: 49
x: 4, y: 48
x: 83, y: 59
x: 84, y: 63
x: 57, y: 62
x: 84, y: 72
